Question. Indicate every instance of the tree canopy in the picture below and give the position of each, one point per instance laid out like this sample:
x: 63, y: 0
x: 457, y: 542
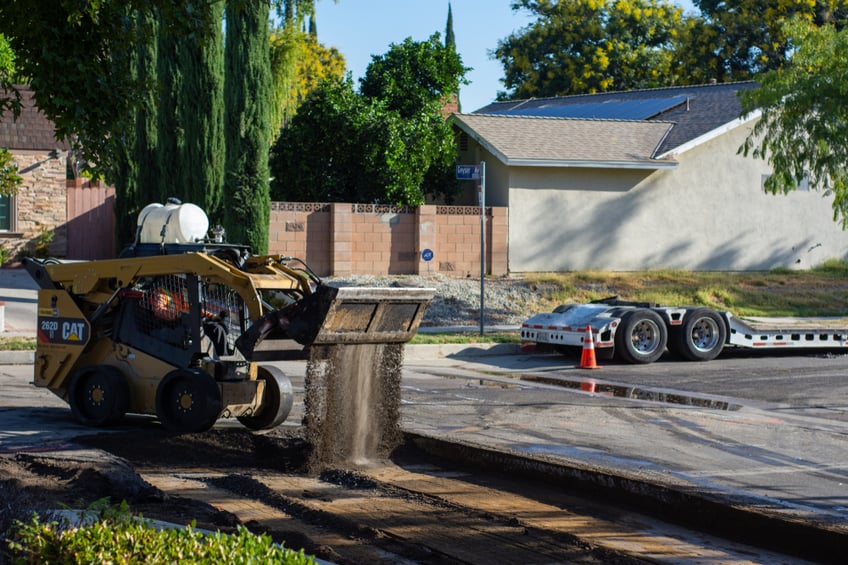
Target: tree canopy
x: 738, y: 40
x: 803, y: 129
x: 414, y: 75
x: 299, y: 63
x: 584, y: 46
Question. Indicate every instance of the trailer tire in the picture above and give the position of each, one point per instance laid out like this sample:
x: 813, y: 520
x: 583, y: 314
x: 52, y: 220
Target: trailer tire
x: 188, y: 401
x: 701, y: 337
x: 563, y: 308
x: 99, y: 395
x: 641, y: 338
x: 277, y: 400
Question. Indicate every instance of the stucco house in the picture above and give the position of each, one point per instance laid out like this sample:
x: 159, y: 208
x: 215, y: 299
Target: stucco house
x: 645, y: 179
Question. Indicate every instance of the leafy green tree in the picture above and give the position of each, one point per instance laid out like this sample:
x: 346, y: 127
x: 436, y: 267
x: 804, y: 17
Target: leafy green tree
x: 321, y: 156
x: 299, y: 63
x: 414, y: 76
x: 387, y: 144
x: 248, y: 126
x: 77, y: 57
x: 581, y: 46
x: 9, y: 177
x: 7, y: 62
x: 802, y: 129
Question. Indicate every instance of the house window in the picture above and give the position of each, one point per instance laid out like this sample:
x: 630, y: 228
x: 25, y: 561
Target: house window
x: 5, y: 213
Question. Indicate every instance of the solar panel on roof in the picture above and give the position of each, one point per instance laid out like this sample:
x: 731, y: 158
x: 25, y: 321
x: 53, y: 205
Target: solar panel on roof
x: 609, y: 110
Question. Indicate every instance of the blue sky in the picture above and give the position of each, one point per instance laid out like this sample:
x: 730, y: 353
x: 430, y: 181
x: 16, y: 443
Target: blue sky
x: 363, y: 28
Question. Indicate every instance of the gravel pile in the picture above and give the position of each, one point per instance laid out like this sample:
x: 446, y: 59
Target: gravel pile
x: 508, y: 300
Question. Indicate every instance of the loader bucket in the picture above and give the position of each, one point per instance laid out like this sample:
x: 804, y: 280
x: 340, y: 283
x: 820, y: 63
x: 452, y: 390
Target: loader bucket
x: 348, y: 315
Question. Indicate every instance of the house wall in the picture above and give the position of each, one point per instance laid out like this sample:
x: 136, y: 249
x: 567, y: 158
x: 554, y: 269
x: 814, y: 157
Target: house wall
x: 344, y: 239
x: 39, y: 205
x: 497, y: 176
x: 710, y: 213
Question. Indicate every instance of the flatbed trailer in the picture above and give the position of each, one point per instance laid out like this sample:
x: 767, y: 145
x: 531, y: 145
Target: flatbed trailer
x: 639, y: 332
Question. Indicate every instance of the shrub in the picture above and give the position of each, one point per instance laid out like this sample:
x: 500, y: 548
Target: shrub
x: 42, y: 243
x: 120, y: 538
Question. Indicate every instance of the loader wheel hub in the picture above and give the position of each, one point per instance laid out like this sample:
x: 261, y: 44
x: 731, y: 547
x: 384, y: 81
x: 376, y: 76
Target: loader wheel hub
x: 186, y: 401
x: 96, y: 395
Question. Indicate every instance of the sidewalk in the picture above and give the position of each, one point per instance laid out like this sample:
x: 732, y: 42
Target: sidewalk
x: 18, y: 293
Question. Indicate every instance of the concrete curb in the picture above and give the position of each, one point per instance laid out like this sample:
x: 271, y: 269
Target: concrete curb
x: 462, y: 350
x: 17, y: 357
x: 411, y: 352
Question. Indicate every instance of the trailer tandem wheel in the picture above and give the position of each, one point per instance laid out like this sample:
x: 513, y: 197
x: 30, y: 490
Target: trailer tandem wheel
x: 188, y: 400
x: 701, y: 337
x: 641, y: 338
x: 99, y: 395
x: 276, y: 401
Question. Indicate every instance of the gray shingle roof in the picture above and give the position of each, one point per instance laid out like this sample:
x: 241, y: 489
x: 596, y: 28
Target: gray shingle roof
x: 32, y: 130
x: 521, y: 140
x: 697, y: 110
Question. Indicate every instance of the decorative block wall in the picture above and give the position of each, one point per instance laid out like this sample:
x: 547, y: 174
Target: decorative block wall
x: 344, y: 239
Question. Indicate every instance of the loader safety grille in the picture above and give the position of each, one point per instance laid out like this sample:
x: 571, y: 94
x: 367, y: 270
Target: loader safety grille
x: 181, y: 310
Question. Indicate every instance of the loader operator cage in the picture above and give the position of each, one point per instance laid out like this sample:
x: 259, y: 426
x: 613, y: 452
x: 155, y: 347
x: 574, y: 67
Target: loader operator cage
x: 176, y: 305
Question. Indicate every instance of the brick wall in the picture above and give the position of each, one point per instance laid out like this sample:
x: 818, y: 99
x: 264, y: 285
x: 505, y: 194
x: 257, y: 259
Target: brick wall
x: 343, y: 239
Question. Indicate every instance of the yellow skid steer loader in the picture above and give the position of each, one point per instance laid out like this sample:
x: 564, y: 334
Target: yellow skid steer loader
x: 179, y: 329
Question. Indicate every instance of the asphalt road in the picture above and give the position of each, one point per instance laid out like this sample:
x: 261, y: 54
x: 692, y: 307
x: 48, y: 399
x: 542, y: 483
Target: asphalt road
x: 716, y: 428
x: 765, y: 432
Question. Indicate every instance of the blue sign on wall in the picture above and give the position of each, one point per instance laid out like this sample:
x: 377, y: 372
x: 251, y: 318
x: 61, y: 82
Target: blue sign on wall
x: 467, y: 172
x: 427, y: 254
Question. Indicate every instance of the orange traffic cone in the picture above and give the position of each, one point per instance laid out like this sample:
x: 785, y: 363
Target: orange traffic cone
x: 587, y: 358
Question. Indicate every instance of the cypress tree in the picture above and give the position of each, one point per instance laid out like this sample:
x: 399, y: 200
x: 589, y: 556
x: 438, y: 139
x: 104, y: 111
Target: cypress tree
x: 136, y: 169
x: 144, y: 152
x: 171, y: 134
x: 201, y: 110
x: 450, y: 39
x: 190, y: 132
x: 248, y: 110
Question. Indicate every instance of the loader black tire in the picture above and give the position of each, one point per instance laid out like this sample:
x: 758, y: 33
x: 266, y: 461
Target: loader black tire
x: 641, y: 338
x: 277, y: 400
x: 701, y: 337
x: 99, y: 395
x: 188, y: 401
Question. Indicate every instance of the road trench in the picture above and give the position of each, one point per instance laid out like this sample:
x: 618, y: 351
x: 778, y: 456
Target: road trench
x: 426, y: 514
x: 365, y: 497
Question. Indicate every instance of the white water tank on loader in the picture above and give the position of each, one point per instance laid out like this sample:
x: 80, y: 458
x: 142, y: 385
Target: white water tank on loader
x: 172, y: 223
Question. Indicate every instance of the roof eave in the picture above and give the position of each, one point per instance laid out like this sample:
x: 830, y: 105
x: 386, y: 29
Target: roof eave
x: 591, y: 164
x: 712, y: 134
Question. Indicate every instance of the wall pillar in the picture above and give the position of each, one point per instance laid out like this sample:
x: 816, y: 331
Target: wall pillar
x: 497, y: 246
x: 425, y: 238
x: 341, y: 239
